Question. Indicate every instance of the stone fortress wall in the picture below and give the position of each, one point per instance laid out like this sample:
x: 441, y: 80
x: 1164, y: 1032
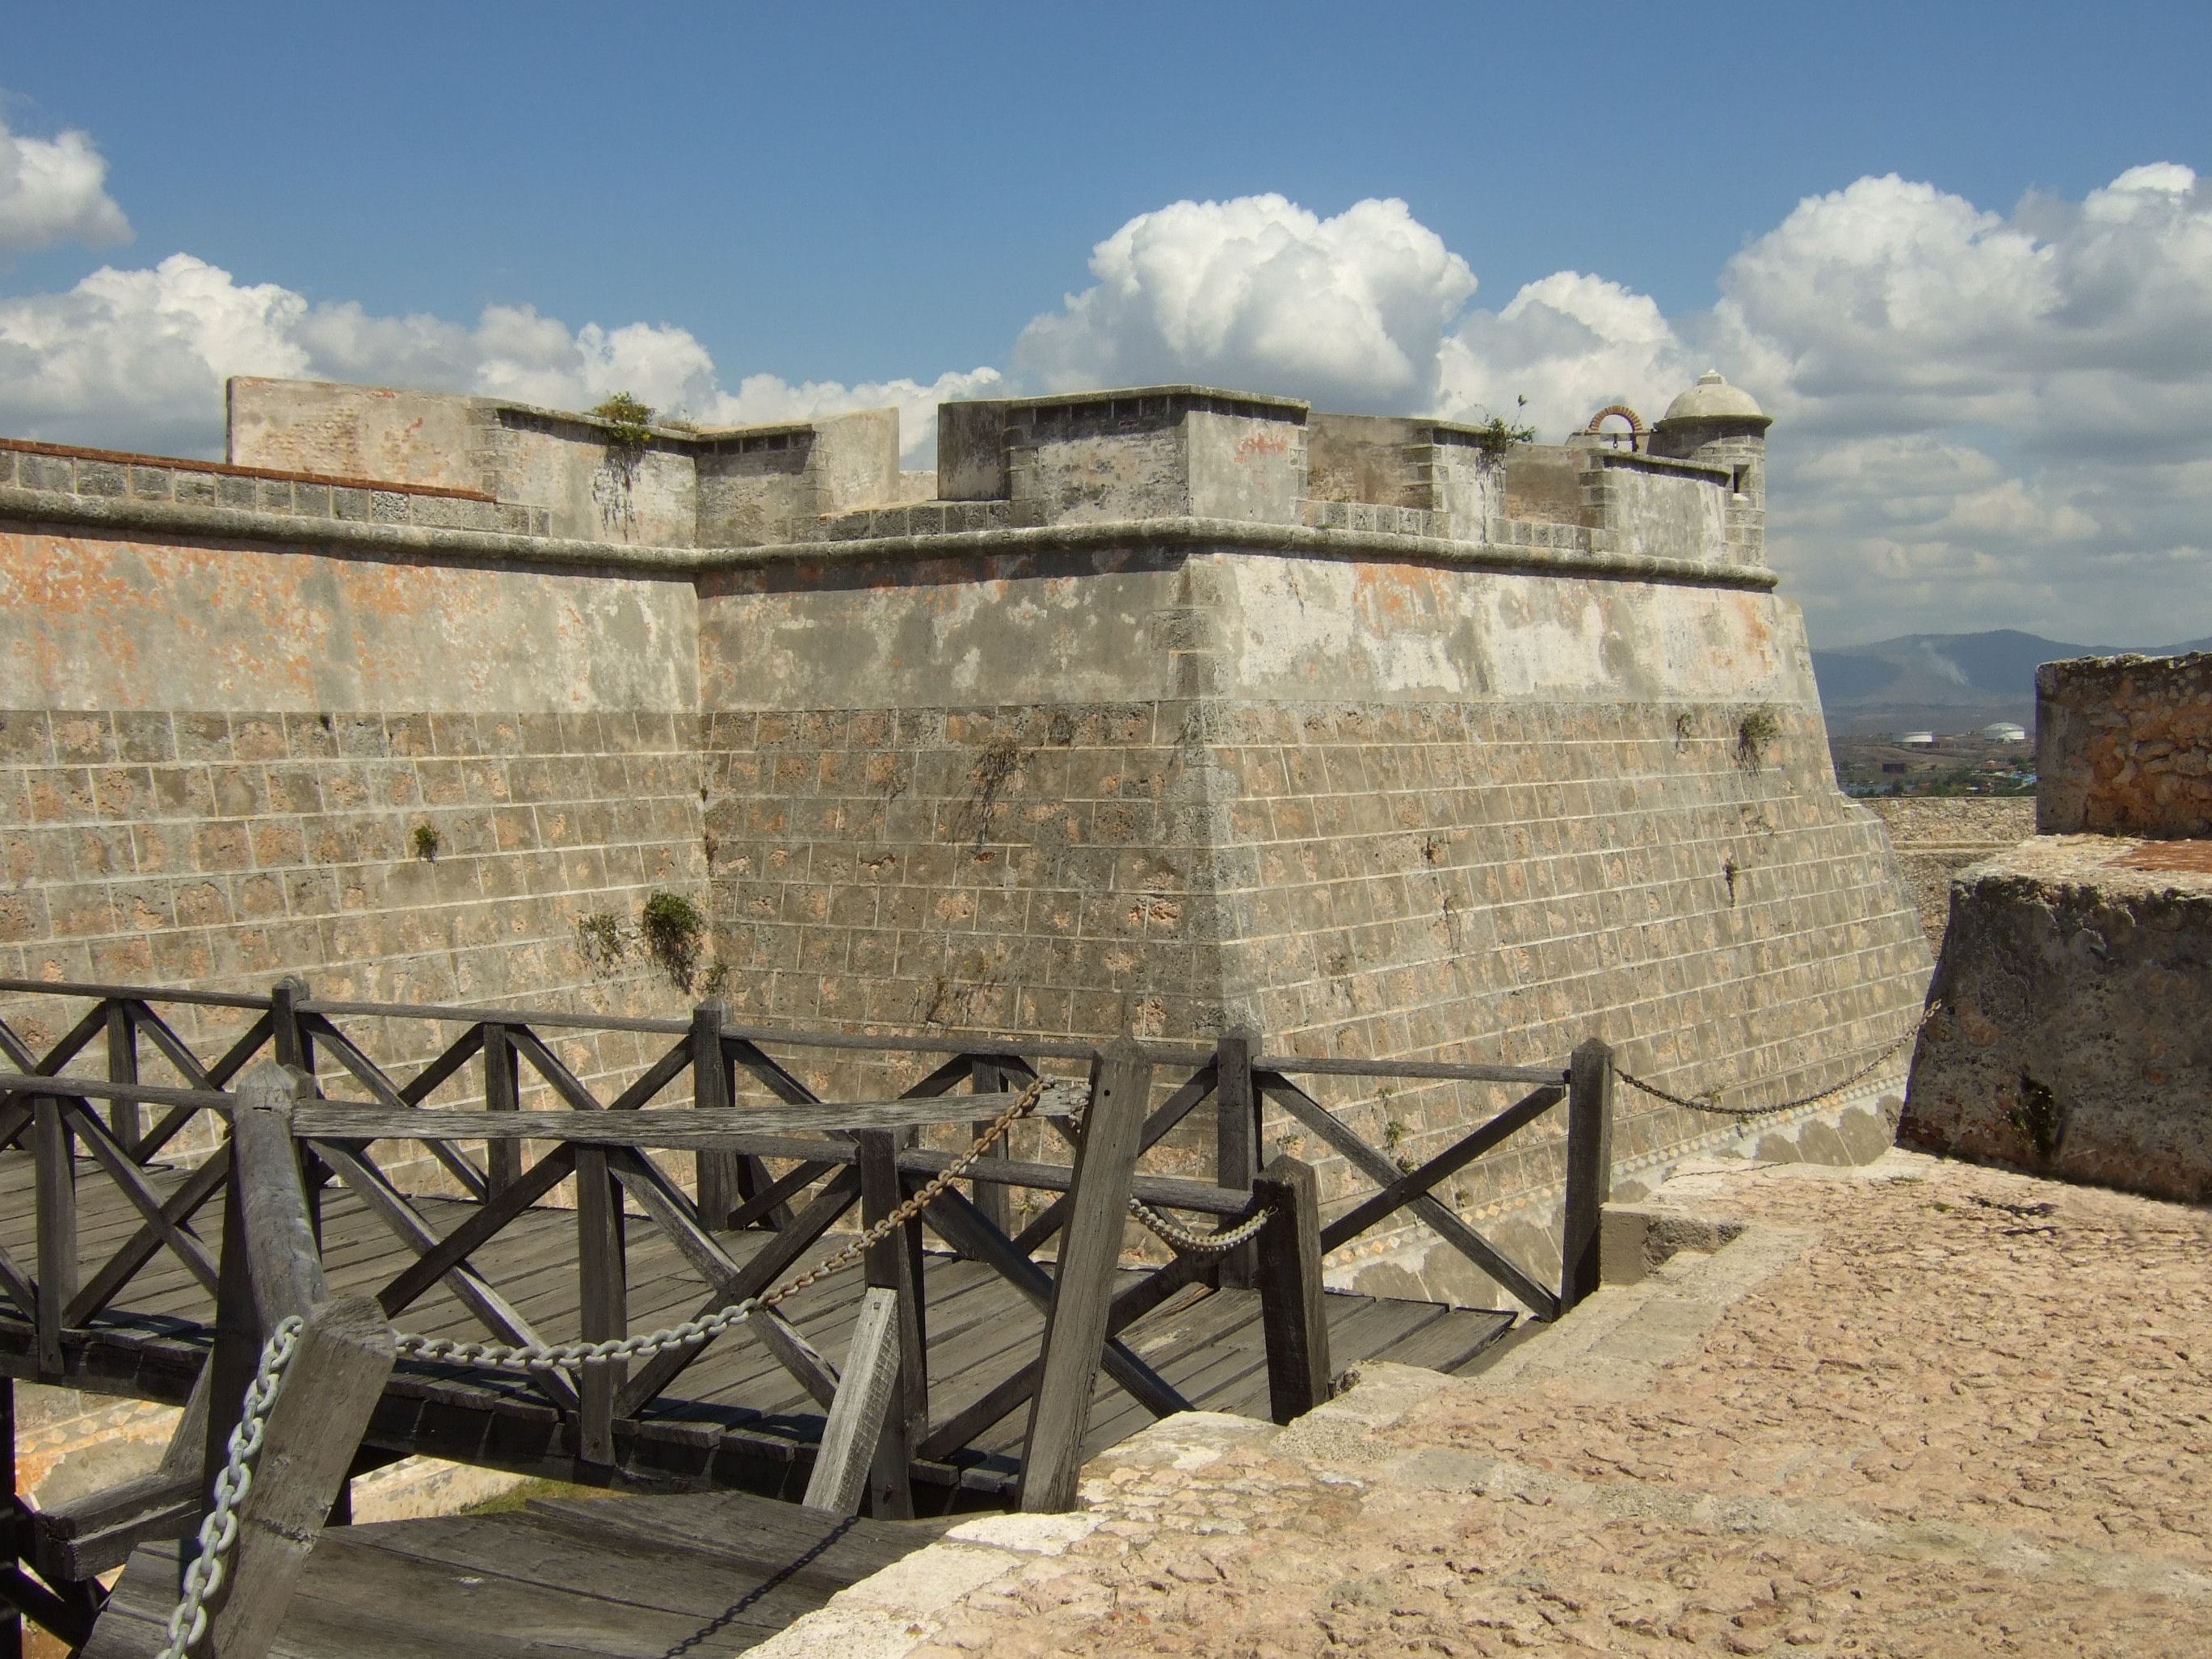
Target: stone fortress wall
x: 2075, y: 1036
x: 1167, y: 708
x: 2124, y: 746
x: 1936, y: 836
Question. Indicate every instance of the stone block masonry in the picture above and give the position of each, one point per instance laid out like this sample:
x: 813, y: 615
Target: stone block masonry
x: 2076, y: 1041
x: 1175, y: 708
x: 2075, y: 976
x: 2124, y: 746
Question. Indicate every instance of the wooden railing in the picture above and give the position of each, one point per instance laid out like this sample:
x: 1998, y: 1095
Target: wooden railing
x: 792, y: 1167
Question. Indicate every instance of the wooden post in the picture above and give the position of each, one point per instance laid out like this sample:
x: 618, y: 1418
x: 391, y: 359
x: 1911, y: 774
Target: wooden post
x: 124, y: 1121
x: 502, y: 1093
x: 287, y: 1037
x: 987, y: 1076
x: 1083, y: 1288
x: 1589, y: 1168
x: 719, y: 1176
x: 603, y: 1280
x: 860, y: 1410
x: 1236, y: 1138
x: 263, y: 1274
x: 11, y: 1619
x: 286, y: 1271
x: 1292, y: 1315
x: 331, y: 1387
x: 891, y: 1265
x: 56, y: 1159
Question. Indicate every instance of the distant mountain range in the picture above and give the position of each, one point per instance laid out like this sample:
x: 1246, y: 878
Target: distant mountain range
x: 1947, y: 682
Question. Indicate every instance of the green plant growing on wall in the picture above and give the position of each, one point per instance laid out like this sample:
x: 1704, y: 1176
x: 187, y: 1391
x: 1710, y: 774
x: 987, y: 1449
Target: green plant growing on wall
x: 601, y: 942
x: 628, y: 429
x: 630, y: 422
x: 426, y: 843
x: 671, y: 928
x: 1756, y: 733
x: 1497, y: 435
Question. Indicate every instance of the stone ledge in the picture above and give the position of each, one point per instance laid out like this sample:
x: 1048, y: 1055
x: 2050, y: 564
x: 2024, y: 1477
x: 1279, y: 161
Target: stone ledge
x: 1201, y: 535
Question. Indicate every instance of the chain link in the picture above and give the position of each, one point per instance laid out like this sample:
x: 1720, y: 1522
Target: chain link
x: 219, y: 1531
x: 1713, y: 1109
x: 1205, y: 1244
x: 569, y: 1356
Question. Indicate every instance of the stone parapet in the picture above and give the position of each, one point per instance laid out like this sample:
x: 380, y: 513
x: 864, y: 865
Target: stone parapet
x: 99, y: 475
x: 2124, y: 746
x: 2075, y: 1035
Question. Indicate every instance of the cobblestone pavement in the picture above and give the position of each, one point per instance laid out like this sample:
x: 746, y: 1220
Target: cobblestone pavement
x: 1921, y: 1409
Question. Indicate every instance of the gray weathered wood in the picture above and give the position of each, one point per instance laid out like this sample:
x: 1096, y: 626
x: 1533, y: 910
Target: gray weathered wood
x: 123, y: 1117
x: 114, y: 1159
x: 11, y: 1621
x: 452, y: 1252
x: 201, y: 1184
x: 603, y: 1285
x: 1083, y: 1288
x: 891, y: 1265
x: 502, y: 1093
x: 796, y: 1355
x: 385, y: 1201
x: 1455, y: 1158
x: 762, y: 1271
x: 1445, y: 1223
x: 1236, y: 1138
x: 676, y: 1128
x: 993, y: 1197
x: 1442, y: 1071
x: 958, y: 1224
x: 717, y: 1172
x: 286, y: 1269
x: 1291, y: 1314
x: 1590, y: 1168
x: 57, y: 1243
x: 861, y: 1410
x: 290, y: 1035
x: 336, y: 1377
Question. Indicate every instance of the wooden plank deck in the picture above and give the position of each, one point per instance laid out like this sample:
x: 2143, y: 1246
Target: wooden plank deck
x: 633, y: 1577
x: 735, y: 1418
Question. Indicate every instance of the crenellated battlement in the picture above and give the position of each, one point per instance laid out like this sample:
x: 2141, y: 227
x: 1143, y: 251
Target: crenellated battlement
x: 1688, y: 499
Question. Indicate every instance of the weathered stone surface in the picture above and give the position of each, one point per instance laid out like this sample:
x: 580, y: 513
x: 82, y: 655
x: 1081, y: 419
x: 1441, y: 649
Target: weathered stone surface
x: 2124, y: 746
x: 1920, y: 1409
x: 2076, y: 1035
x: 1937, y: 835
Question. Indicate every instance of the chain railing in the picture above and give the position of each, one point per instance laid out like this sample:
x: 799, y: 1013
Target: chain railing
x: 218, y: 1532
x: 1202, y: 1244
x: 1711, y: 1107
x: 553, y: 1356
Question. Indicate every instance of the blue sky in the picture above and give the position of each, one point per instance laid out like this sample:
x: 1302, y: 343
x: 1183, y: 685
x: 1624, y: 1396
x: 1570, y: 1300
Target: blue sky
x: 850, y: 195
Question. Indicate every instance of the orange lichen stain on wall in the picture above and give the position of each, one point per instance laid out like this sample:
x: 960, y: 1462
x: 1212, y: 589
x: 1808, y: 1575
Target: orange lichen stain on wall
x: 120, y: 622
x: 1391, y: 598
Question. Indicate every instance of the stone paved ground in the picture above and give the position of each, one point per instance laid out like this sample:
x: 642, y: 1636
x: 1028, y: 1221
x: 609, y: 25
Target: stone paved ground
x: 1918, y: 1409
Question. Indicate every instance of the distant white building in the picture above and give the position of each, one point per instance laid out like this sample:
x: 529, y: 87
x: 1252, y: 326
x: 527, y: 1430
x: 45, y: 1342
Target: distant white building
x: 2004, y: 732
x: 1916, y: 739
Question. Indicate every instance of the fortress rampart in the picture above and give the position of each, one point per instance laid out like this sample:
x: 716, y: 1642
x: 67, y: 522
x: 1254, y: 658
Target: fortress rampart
x: 1167, y: 708
x: 2124, y: 746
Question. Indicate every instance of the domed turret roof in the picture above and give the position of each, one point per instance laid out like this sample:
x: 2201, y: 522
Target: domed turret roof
x: 1714, y: 400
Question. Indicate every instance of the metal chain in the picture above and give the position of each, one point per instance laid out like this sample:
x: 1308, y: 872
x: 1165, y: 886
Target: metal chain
x: 569, y: 1356
x: 1829, y: 1093
x: 1205, y: 1243
x: 219, y: 1531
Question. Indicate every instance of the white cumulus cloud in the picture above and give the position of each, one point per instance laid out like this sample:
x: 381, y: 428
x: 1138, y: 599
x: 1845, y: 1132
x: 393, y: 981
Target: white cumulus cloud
x: 1259, y: 295
x: 136, y: 359
x: 55, y: 190
x: 1983, y: 417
